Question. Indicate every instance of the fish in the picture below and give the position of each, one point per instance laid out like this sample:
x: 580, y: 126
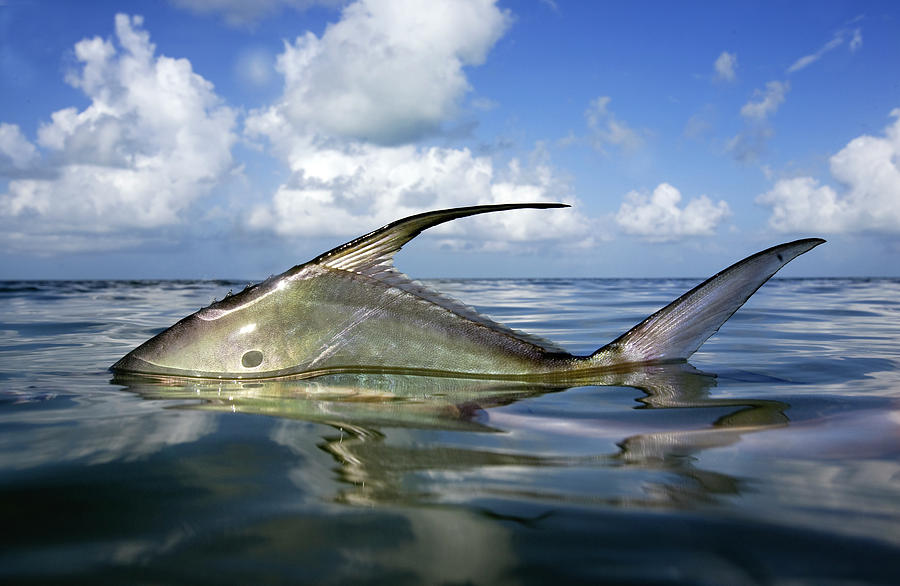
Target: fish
x: 349, y: 310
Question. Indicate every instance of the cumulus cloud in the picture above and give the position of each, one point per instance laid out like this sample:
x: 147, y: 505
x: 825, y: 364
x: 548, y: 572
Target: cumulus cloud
x: 657, y: 217
x: 725, y: 66
x: 356, y: 99
x: 154, y: 138
x: 244, y: 14
x: 801, y: 203
x: 348, y: 188
x: 607, y: 130
x: 16, y: 152
x: 867, y: 169
x: 388, y: 72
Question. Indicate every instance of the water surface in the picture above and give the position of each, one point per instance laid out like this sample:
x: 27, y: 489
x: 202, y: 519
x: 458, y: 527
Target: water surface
x: 773, y: 458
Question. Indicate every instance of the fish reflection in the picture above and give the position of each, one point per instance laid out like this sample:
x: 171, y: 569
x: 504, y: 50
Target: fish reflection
x: 378, y: 471
x: 347, y: 400
x: 376, y: 462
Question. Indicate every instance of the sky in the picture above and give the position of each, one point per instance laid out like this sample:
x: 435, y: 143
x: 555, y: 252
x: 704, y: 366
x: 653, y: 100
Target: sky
x: 230, y: 139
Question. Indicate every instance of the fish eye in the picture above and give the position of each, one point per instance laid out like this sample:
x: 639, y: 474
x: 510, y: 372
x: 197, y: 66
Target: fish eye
x: 252, y: 359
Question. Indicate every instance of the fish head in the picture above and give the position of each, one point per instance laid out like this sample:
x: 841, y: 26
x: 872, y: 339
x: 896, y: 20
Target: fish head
x: 243, y: 336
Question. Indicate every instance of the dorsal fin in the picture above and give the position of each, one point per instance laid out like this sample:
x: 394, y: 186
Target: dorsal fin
x: 372, y: 256
x: 374, y: 252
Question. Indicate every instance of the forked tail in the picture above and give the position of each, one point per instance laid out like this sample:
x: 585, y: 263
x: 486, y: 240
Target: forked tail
x: 676, y: 331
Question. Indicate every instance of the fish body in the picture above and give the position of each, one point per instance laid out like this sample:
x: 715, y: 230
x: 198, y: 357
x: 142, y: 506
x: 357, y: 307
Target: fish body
x: 350, y: 310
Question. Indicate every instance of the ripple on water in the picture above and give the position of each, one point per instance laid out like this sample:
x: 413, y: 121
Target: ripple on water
x: 778, y: 464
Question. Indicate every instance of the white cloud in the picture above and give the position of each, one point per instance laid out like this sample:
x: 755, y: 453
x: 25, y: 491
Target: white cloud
x: 725, y: 66
x: 15, y: 150
x: 388, y: 72
x: 748, y: 144
x: 607, y: 129
x: 354, y: 101
x: 657, y: 217
x: 800, y: 203
x: 768, y: 101
x: 350, y: 188
x: 154, y: 138
x: 751, y: 142
x: 836, y: 41
x: 868, y: 170
x: 244, y: 13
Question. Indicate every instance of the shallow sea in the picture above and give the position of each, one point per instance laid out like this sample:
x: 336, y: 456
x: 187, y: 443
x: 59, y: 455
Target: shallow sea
x: 773, y: 459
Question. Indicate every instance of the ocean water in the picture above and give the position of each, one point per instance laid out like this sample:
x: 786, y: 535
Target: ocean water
x: 773, y: 458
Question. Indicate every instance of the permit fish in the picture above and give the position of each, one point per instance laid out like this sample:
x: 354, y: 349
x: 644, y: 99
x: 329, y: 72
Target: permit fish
x: 350, y: 310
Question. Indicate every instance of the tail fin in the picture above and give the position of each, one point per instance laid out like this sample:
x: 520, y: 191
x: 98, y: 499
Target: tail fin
x: 676, y: 331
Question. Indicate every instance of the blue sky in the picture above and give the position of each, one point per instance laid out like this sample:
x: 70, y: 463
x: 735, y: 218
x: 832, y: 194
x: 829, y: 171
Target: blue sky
x: 222, y: 139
